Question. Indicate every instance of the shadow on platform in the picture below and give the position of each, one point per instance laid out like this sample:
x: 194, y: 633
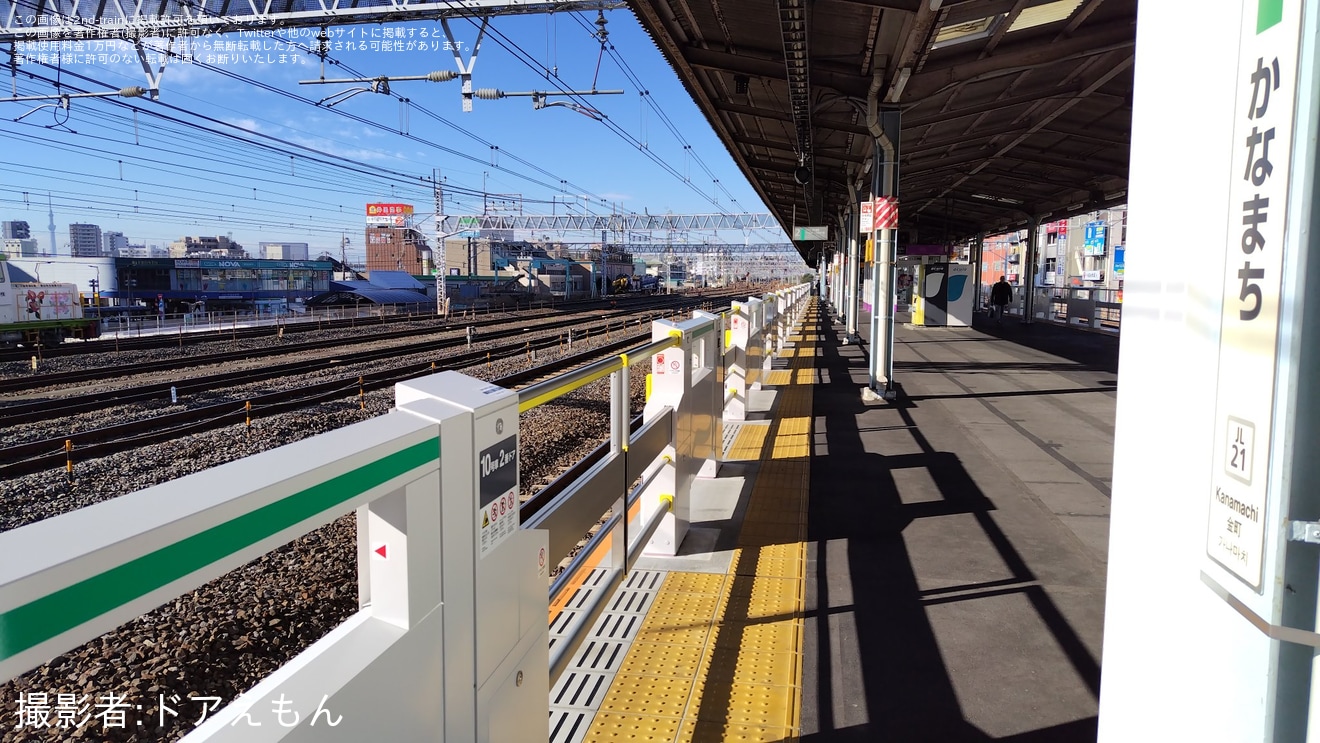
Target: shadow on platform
x: 932, y: 614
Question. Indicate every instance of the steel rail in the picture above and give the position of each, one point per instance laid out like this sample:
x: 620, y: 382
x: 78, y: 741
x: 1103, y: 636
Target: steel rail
x: 54, y: 452
x: 109, y: 344
x: 49, y: 409
x: 28, y: 382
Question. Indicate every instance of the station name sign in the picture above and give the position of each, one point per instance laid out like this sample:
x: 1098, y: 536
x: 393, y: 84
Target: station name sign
x: 1243, y: 509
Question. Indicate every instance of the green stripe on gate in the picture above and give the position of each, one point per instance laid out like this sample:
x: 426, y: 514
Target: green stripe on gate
x: 1268, y: 13
x: 33, y: 623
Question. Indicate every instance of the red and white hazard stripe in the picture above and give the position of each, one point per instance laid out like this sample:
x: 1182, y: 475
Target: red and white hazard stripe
x: 886, y: 213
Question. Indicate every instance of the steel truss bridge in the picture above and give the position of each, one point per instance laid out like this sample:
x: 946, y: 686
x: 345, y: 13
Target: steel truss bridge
x: 683, y: 249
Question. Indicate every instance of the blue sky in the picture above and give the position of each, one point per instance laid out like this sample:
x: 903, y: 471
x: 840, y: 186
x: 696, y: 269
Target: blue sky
x: 156, y: 180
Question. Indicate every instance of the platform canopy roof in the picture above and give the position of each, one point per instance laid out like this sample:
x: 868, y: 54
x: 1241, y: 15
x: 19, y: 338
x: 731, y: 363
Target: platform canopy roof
x: 1009, y: 108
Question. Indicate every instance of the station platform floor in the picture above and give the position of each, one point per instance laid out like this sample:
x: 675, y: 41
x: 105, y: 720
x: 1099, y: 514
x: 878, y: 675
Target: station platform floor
x: 926, y: 570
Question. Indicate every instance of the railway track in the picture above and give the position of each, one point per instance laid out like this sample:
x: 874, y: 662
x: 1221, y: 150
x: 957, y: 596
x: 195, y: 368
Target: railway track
x: 35, y: 456
x: 27, y: 383
x: 35, y: 411
x: 125, y: 344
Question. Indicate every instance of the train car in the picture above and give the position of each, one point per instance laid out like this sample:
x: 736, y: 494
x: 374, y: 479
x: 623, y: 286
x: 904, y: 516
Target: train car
x: 38, y: 312
x: 644, y: 284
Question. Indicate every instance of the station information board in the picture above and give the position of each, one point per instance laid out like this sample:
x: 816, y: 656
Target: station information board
x: 1241, y: 504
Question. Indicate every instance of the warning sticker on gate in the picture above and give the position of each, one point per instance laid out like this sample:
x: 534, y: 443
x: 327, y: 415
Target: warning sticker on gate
x: 497, y: 478
x: 659, y: 363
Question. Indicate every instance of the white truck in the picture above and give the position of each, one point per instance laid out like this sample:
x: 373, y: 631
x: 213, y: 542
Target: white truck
x: 46, y: 313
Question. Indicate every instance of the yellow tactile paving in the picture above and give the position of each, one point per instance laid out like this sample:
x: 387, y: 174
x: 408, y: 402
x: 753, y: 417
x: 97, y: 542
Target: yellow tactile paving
x: 674, y: 635
x: 711, y: 583
x: 632, y: 726
x: 749, y: 443
x: 769, y: 567
x: 684, y: 604
x: 761, y: 636
x: 774, y: 668
x: 655, y: 659
x: 650, y: 695
x: 709, y: 731
x: 766, y: 597
x: 742, y: 704
x: 757, y: 534
x: 719, y: 657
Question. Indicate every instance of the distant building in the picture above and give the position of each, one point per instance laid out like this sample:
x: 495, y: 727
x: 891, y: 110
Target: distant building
x: 284, y: 251
x: 84, y: 240
x: 15, y: 230
x: 206, y: 247
x: 141, y: 251
x: 397, y: 249
x: 113, y: 241
x: 469, y: 257
x: 20, y: 247
x: 498, y: 235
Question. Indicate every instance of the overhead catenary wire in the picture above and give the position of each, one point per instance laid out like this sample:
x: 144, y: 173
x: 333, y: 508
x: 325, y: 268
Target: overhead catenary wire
x: 445, y: 121
x: 564, y: 89
x: 500, y: 39
x: 90, y: 207
x: 393, y: 177
x: 405, y: 178
x: 309, y: 153
x: 362, y: 120
x: 636, y: 80
x: 649, y: 99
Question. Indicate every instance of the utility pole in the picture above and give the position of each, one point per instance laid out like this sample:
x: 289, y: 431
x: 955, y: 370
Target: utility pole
x: 442, y: 265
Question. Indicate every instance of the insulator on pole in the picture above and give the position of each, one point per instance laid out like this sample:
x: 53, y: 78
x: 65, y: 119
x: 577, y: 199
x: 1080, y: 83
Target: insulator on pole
x: 488, y: 94
x: 440, y: 76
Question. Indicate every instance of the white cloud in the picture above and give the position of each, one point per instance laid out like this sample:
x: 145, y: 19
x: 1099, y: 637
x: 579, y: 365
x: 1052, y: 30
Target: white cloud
x: 246, y: 124
x: 345, y: 150
x: 183, y: 74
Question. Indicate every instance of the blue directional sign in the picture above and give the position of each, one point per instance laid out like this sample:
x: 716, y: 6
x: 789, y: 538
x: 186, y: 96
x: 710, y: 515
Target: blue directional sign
x: 1094, y: 244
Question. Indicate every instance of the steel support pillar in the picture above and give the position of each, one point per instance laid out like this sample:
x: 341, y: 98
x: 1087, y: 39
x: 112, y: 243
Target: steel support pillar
x: 840, y: 260
x: 822, y: 265
x: 835, y: 264
x: 852, y: 277
x: 1029, y: 269
x: 884, y: 182
x: 977, y: 251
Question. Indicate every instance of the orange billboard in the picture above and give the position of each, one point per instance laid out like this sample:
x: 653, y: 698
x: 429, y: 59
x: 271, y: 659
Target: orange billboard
x: 389, y: 210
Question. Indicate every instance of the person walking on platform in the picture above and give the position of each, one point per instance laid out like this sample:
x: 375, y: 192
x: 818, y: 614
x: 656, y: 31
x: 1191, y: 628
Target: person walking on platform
x: 1000, y: 295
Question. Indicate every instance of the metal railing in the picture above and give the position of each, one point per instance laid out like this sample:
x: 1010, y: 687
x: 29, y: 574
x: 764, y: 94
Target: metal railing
x: 1093, y: 309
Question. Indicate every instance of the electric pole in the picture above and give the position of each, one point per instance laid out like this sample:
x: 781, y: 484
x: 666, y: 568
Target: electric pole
x: 439, y: 256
